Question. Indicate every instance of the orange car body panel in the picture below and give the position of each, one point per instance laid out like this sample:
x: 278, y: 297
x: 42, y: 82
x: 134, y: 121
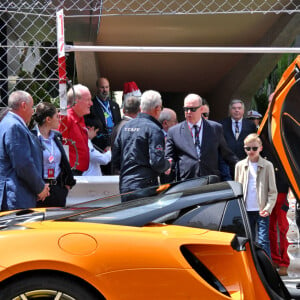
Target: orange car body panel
x: 286, y: 82
x: 148, y: 265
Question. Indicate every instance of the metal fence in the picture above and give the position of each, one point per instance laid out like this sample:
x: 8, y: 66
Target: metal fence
x: 28, y: 52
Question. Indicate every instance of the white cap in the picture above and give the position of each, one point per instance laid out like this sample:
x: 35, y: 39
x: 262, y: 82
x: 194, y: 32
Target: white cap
x: 253, y: 114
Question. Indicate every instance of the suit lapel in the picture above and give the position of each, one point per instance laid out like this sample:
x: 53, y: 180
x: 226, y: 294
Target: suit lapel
x: 229, y: 128
x: 99, y: 111
x: 185, y: 135
x: 206, y: 133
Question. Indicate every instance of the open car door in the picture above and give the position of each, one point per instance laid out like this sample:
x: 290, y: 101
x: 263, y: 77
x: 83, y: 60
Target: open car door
x: 280, y: 129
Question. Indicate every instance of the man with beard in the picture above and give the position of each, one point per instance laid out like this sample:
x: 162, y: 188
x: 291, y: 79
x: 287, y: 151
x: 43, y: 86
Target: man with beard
x: 107, y: 114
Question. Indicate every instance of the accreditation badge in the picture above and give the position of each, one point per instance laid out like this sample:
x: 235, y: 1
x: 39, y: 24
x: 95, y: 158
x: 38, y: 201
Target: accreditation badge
x: 51, y: 174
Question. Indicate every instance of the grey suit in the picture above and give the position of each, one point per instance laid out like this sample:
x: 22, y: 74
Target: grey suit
x: 180, y: 147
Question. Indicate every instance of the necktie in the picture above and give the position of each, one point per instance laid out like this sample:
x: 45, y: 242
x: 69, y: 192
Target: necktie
x: 197, y: 141
x: 237, y: 130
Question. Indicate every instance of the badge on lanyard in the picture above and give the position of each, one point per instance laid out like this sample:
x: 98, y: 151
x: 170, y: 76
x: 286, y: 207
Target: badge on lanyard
x: 51, y: 159
x: 50, y: 173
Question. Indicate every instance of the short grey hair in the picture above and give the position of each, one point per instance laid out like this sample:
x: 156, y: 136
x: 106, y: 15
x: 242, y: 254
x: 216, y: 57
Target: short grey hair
x: 166, y: 114
x: 16, y: 98
x: 131, y: 105
x: 77, y: 92
x: 234, y: 101
x: 149, y: 100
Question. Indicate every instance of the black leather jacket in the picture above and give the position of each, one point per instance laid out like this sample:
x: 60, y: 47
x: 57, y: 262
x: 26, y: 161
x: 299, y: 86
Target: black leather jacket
x: 139, y: 153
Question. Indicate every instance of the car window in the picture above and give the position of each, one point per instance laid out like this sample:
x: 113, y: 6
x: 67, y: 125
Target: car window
x: 233, y: 220
x: 204, y: 216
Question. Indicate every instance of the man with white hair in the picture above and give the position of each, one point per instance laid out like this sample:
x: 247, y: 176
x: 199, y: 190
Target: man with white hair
x: 73, y: 128
x: 139, y: 148
x: 21, y: 175
x: 195, y: 144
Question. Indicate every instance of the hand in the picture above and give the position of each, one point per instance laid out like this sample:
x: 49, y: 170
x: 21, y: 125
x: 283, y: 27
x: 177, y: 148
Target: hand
x: 108, y: 148
x: 67, y: 187
x: 264, y: 213
x: 169, y: 170
x: 44, y: 193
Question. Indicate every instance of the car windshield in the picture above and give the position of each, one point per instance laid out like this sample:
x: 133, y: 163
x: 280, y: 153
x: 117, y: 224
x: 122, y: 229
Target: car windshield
x: 126, y: 210
x: 213, y: 207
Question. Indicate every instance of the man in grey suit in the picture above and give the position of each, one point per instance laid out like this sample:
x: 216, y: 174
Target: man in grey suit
x: 21, y: 181
x: 195, y: 144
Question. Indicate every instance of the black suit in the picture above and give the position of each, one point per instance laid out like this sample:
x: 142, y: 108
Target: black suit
x: 180, y: 147
x: 237, y: 145
x: 103, y: 139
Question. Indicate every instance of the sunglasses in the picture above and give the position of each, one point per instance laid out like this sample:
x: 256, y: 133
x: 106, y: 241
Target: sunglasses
x: 205, y: 115
x: 249, y: 148
x: 192, y: 109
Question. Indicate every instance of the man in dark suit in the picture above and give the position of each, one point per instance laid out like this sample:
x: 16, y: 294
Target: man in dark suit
x: 105, y: 111
x: 195, y: 144
x: 107, y: 114
x: 235, y: 129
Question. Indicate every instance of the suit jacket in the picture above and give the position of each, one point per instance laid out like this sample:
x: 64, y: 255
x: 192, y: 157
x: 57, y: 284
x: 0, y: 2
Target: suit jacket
x: 66, y: 172
x: 21, y: 171
x: 180, y: 147
x: 237, y: 146
x: 103, y: 140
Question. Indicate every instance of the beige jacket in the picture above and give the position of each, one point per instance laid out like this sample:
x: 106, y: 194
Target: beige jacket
x: 265, y: 182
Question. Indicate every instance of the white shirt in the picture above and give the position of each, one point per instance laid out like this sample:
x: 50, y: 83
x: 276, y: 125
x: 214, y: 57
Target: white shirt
x: 96, y: 159
x: 239, y: 125
x: 251, y: 196
x: 199, y: 124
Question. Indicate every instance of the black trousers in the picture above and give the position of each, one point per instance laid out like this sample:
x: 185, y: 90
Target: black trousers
x: 57, y: 197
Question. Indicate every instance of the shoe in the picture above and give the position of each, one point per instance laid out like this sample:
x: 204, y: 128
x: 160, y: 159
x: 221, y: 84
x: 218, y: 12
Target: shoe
x: 282, y: 271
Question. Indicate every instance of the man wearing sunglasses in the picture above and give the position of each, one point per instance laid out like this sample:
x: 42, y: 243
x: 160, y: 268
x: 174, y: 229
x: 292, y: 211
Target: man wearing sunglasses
x: 194, y: 144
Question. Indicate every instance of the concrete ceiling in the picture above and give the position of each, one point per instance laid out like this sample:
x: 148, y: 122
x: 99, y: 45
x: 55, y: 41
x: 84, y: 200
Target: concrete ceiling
x: 171, y: 72
x: 210, y: 75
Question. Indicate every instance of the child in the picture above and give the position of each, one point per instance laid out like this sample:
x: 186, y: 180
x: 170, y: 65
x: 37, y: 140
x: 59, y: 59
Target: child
x: 257, y: 176
x: 96, y: 157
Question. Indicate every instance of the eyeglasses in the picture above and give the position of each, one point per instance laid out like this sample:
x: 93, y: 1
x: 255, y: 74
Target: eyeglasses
x: 192, y: 109
x: 249, y: 148
x: 205, y: 115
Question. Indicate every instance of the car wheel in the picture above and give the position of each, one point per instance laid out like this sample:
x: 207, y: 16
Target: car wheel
x: 50, y: 287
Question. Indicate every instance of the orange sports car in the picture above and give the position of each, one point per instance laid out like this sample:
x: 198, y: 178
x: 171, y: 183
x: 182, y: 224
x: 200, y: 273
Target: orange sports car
x: 188, y: 240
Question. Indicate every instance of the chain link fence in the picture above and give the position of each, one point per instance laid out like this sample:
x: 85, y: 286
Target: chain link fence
x: 28, y: 52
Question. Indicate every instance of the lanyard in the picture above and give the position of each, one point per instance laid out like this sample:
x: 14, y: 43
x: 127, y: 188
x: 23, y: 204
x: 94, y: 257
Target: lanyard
x: 104, y: 107
x: 197, y: 136
x: 51, y: 156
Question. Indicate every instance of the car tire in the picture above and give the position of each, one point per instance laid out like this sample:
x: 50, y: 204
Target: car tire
x: 46, y: 286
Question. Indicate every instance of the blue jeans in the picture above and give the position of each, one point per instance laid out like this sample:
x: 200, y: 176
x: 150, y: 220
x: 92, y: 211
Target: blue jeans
x: 262, y: 224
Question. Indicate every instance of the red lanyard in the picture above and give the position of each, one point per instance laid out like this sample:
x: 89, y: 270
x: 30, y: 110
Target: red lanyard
x: 197, y: 136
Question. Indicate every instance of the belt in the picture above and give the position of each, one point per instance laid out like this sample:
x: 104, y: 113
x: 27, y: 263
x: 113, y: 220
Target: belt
x: 51, y: 181
x: 76, y: 172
